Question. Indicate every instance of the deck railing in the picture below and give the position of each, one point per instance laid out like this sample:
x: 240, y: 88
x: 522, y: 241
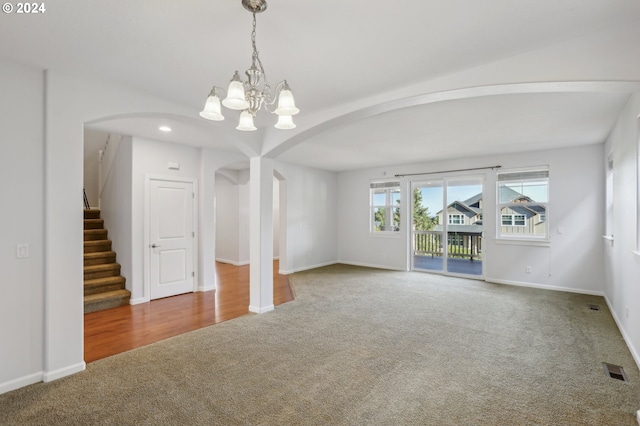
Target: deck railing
x: 459, y: 245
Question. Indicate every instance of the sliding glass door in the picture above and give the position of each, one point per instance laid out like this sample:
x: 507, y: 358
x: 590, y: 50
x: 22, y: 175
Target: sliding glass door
x: 447, y: 226
x: 427, y: 247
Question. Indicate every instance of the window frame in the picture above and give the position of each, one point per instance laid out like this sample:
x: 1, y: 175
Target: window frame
x: 460, y: 217
x: 389, y: 188
x: 512, y: 219
x: 512, y: 177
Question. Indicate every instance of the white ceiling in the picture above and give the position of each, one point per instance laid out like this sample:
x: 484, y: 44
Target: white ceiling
x: 335, y: 53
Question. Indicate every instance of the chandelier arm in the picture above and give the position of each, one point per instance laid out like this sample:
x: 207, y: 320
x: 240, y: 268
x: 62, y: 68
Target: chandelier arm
x: 219, y: 91
x: 270, y: 104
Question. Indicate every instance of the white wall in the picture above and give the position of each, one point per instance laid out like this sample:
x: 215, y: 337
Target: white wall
x: 152, y: 158
x: 94, y: 141
x: 21, y: 222
x: 116, y: 206
x: 211, y: 161
x: 622, y: 265
x: 45, y: 340
x: 227, y: 220
x: 124, y: 202
x: 310, y: 238
x: 572, y: 261
x: 243, y: 217
x: 232, y: 217
x: 276, y: 218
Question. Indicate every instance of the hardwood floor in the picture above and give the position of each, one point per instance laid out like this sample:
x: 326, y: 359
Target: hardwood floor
x: 117, y: 330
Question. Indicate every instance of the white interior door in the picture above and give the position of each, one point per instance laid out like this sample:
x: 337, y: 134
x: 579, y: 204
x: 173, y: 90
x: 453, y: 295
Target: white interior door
x: 171, y: 238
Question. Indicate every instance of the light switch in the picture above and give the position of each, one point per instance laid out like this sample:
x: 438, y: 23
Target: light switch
x: 22, y: 251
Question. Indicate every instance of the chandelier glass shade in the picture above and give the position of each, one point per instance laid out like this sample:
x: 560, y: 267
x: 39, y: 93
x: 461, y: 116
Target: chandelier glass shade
x: 251, y: 95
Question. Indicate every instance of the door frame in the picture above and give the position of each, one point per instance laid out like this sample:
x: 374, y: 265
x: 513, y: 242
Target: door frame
x: 147, y: 244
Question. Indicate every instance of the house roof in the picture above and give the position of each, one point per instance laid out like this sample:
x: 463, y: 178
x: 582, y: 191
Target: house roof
x: 463, y: 208
x: 473, y: 200
x: 506, y: 194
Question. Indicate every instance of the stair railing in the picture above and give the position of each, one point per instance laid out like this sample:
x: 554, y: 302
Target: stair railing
x: 86, y: 200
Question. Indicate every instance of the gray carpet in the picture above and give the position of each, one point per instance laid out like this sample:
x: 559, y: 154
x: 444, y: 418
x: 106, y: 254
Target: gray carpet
x: 365, y: 347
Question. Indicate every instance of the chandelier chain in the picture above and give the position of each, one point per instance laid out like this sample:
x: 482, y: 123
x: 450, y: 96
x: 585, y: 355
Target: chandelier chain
x: 256, y: 57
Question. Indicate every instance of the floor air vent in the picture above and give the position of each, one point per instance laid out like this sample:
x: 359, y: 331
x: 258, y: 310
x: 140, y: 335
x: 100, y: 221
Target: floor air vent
x: 594, y: 307
x: 615, y: 372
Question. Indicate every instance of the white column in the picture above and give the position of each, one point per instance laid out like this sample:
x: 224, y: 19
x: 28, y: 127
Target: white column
x: 261, y: 235
x: 206, y: 223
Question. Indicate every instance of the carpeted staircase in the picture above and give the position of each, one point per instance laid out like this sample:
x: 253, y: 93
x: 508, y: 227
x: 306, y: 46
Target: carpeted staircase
x: 104, y: 288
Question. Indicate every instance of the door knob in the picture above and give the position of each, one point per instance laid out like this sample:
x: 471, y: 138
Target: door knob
x: 155, y: 245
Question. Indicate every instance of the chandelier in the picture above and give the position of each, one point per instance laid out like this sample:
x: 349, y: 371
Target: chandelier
x: 251, y: 95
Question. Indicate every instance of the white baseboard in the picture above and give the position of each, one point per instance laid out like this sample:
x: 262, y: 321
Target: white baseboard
x: 206, y: 288
x: 638, y: 417
x: 50, y: 376
x: 21, y: 382
x: 545, y: 287
x: 261, y: 310
x: 232, y: 262
x: 138, y: 301
x: 625, y: 336
x: 305, y: 268
x: 371, y: 265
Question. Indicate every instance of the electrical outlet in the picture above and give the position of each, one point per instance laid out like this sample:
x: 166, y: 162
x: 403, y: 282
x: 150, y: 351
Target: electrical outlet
x: 22, y: 251
x: 528, y: 269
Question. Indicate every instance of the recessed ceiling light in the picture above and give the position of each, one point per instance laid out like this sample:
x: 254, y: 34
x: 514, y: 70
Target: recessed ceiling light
x: 165, y: 128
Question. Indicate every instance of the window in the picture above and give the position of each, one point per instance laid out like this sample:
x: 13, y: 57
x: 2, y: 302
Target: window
x: 513, y: 220
x: 456, y: 219
x: 456, y: 240
x: 385, y: 206
x: 523, y: 203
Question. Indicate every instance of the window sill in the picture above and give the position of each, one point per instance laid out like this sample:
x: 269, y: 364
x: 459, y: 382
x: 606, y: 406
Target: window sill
x: 537, y: 243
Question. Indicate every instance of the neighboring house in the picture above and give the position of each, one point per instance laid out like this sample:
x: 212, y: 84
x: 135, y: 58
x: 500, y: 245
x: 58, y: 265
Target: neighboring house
x: 464, y: 222
x: 464, y: 227
x: 529, y: 220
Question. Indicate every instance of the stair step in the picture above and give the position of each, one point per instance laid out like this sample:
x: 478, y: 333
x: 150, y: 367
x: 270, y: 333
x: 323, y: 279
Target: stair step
x: 99, y: 258
x: 92, y: 214
x: 101, y: 285
x: 101, y: 271
x: 93, y: 223
x: 95, y: 234
x: 106, y: 300
x: 97, y: 246
x: 104, y: 288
